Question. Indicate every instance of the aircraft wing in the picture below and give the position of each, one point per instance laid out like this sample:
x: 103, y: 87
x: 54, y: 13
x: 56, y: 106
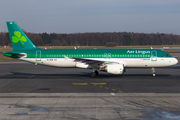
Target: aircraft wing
x: 96, y: 62
x: 93, y: 62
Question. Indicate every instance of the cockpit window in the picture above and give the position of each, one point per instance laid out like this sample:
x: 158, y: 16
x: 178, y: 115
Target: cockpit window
x: 168, y: 55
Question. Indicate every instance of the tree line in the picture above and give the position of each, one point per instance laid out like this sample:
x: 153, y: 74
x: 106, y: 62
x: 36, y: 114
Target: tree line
x: 96, y: 39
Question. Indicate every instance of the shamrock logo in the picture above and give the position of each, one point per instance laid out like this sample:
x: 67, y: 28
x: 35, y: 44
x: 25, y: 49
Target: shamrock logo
x: 18, y: 38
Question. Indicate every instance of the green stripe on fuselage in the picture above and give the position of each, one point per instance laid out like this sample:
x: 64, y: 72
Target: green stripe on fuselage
x: 94, y: 53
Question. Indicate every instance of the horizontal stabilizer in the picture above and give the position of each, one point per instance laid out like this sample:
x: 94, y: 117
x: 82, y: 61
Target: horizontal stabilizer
x: 15, y: 55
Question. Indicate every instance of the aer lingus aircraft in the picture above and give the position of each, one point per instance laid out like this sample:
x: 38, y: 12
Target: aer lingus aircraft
x: 113, y: 61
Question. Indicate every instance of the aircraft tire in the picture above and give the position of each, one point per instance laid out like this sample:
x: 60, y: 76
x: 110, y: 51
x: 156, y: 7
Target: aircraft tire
x: 93, y: 74
x: 97, y: 73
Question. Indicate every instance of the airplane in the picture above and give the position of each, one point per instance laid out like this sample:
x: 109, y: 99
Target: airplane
x: 113, y: 61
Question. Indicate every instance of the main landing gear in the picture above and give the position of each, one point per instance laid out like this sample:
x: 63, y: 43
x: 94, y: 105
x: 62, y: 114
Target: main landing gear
x: 153, y: 72
x: 94, y: 73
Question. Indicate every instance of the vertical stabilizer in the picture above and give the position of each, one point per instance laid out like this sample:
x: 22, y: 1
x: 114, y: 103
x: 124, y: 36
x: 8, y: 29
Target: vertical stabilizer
x: 19, y: 40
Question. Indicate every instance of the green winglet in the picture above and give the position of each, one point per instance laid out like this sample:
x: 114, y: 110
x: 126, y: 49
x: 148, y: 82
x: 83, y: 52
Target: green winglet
x: 18, y: 38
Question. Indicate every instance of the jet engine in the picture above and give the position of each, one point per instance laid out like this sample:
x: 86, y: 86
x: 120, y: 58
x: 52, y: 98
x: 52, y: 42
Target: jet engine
x: 115, y: 68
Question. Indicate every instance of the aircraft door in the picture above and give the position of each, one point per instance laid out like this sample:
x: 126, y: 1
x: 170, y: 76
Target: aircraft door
x: 105, y: 55
x: 109, y: 55
x: 154, y: 55
x: 38, y: 55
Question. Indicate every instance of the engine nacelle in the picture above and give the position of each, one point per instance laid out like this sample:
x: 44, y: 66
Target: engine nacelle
x: 115, y: 68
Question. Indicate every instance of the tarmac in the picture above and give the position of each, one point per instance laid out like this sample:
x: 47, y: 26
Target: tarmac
x: 38, y: 92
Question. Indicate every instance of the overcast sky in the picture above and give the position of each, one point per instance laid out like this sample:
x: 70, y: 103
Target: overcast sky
x: 80, y: 16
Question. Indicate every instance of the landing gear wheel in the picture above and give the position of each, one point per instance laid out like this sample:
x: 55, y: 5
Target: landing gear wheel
x: 97, y: 73
x: 153, y: 72
x: 93, y: 74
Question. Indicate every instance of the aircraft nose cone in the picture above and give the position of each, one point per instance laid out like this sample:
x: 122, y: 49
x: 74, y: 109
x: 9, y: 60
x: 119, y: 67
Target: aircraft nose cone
x: 175, y: 61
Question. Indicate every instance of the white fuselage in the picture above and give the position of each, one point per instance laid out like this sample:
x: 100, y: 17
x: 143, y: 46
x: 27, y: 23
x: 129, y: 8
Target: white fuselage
x: 128, y: 62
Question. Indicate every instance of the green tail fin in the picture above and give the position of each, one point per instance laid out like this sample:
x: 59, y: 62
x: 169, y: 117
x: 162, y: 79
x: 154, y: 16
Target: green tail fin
x: 19, y: 40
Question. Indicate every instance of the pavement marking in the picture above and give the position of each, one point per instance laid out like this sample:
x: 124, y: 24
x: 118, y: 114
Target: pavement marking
x: 99, y: 83
x: 162, y: 102
x: 112, y: 94
x: 80, y: 83
x: 95, y: 84
x: 153, y: 99
x: 173, y: 104
x: 113, y: 89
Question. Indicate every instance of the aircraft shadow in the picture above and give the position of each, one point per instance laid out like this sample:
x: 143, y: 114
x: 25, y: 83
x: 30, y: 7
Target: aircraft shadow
x: 21, y: 75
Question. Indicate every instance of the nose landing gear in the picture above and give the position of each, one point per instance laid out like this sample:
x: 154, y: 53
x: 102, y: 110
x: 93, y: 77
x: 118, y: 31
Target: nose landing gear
x: 153, y: 72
